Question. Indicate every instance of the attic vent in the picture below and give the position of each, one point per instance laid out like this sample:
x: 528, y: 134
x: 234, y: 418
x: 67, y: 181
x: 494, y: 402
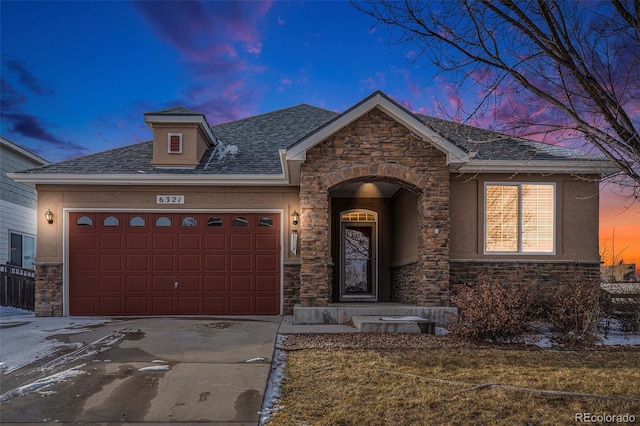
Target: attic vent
x: 175, y: 143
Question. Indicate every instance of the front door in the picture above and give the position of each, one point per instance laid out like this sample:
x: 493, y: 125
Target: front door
x: 358, y: 272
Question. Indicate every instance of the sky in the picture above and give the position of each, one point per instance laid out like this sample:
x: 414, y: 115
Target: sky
x: 77, y: 76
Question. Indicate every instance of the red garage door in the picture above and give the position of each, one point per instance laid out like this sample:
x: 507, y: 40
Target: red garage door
x: 174, y: 263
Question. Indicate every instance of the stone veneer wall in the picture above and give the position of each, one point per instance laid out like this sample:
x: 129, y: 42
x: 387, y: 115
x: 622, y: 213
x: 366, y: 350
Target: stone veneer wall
x: 539, y: 274
x: 49, y: 296
x: 291, y: 287
x: 375, y: 147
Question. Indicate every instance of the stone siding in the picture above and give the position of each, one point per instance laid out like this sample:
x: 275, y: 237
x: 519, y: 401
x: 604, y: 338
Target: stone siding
x: 541, y: 275
x: 377, y: 148
x: 291, y: 287
x: 49, y: 294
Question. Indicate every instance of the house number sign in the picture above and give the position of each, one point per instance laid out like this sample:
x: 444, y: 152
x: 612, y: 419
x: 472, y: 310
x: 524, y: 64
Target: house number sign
x: 169, y: 199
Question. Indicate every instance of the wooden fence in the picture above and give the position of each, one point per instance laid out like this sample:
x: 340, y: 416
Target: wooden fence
x: 17, y: 287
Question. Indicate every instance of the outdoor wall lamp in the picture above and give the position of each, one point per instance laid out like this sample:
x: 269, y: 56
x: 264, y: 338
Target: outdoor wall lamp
x: 49, y: 216
x: 295, y: 216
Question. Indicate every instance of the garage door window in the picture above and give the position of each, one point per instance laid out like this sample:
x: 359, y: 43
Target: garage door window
x: 84, y: 221
x: 240, y: 221
x: 163, y: 221
x: 111, y: 221
x: 136, y: 221
x: 189, y: 221
x: 265, y: 221
x: 214, y: 221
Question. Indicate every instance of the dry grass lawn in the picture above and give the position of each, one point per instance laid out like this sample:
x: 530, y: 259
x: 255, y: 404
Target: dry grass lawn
x: 330, y: 384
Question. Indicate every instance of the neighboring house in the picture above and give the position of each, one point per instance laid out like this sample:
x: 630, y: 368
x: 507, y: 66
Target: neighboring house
x: 622, y: 272
x: 304, y: 206
x: 18, y: 204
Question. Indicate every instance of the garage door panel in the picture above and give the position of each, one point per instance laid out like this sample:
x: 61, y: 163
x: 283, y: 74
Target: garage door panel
x: 189, y: 242
x: 188, y: 283
x: 163, y: 242
x: 189, y: 262
x: 215, y: 262
x: 240, y: 242
x: 240, y: 305
x: 240, y: 262
x: 266, y: 262
x: 162, y: 305
x: 138, y: 262
x: 240, y: 283
x: 267, y: 305
x: 215, y: 284
x: 137, y: 305
x: 111, y: 284
x: 215, y: 241
x: 138, y: 241
x: 138, y: 284
x: 111, y: 241
x: 268, y: 242
x: 224, y: 263
x: 111, y: 263
x: 266, y: 284
x: 189, y: 305
x: 83, y: 262
x: 83, y: 305
x: 163, y: 262
x: 111, y: 305
x: 162, y: 284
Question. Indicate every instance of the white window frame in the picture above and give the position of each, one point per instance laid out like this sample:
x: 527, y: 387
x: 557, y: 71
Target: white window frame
x: 169, y: 143
x: 519, y: 252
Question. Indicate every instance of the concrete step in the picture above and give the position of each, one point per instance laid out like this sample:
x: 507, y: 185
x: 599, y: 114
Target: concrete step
x: 393, y: 324
x: 342, y: 313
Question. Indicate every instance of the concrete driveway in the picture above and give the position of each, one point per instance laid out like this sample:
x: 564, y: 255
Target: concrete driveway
x: 149, y: 370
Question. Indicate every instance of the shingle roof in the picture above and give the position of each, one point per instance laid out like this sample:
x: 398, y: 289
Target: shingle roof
x: 253, y: 146
x: 257, y: 139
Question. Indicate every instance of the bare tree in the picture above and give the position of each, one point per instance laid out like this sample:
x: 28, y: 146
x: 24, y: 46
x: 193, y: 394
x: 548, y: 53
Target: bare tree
x: 577, y: 63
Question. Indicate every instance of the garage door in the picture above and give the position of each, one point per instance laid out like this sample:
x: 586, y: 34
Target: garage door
x: 174, y: 263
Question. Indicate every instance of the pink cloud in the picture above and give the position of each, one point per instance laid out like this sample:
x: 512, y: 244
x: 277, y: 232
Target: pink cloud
x: 218, y: 43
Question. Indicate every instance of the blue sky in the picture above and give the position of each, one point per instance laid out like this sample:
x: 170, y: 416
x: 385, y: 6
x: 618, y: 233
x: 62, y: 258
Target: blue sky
x: 78, y: 75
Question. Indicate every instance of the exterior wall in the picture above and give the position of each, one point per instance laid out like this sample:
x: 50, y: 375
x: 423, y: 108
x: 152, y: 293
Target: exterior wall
x: 17, y: 201
x: 404, y: 224
x: 541, y: 275
x: 193, y: 145
x: 577, y: 217
x: 57, y: 198
x: 375, y: 147
x: 291, y: 287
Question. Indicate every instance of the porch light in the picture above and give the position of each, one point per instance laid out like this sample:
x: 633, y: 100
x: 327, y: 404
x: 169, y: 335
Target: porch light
x: 295, y: 216
x: 49, y: 216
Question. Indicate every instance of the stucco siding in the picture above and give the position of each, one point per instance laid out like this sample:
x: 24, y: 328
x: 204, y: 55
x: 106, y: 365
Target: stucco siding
x: 576, y: 217
x: 404, y: 227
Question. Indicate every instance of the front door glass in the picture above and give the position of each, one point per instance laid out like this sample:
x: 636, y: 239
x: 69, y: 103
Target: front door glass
x: 358, y: 271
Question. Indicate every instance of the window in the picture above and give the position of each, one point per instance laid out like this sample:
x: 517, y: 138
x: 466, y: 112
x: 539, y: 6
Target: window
x: 110, y: 221
x: 136, y: 221
x: 189, y: 221
x: 519, y: 218
x: 214, y: 221
x: 240, y: 221
x: 163, y: 221
x: 84, y: 221
x: 23, y: 250
x: 175, y: 143
x: 265, y: 221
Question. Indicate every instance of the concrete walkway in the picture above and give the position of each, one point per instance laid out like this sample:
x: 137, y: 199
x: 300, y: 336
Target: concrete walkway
x: 147, y: 371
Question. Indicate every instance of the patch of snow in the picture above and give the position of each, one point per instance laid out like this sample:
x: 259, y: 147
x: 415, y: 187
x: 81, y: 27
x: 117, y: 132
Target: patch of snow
x: 403, y: 318
x: 155, y: 368
x: 10, y: 311
x: 255, y: 359
x: 220, y: 153
x: 441, y: 331
x: 273, y: 392
x: 158, y: 361
x: 43, y: 383
x: 26, y: 340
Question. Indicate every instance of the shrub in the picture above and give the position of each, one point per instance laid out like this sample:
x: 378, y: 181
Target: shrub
x: 575, y: 312
x: 493, y: 311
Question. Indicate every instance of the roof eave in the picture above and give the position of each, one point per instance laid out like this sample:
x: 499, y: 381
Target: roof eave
x: 599, y: 167
x: 454, y: 154
x: 33, y: 179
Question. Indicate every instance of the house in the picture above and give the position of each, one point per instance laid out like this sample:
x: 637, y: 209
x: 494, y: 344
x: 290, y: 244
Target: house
x: 622, y: 272
x: 18, y: 203
x: 307, y: 208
